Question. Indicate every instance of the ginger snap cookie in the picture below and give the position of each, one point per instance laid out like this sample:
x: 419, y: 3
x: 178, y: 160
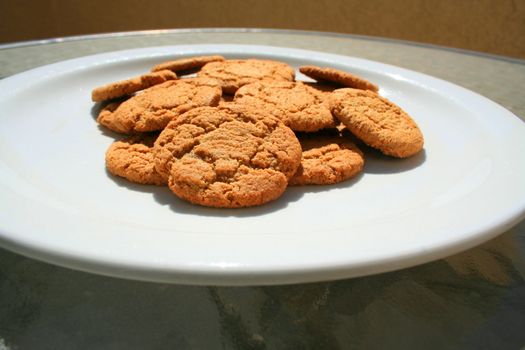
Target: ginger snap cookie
x: 130, y: 86
x: 299, y: 106
x: 338, y: 77
x: 328, y: 158
x: 235, y: 73
x: 153, y: 108
x: 377, y: 121
x: 184, y: 64
x: 133, y: 160
x: 228, y: 156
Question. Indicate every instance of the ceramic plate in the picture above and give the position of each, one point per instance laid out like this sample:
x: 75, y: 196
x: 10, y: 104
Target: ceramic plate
x: 58, y: 204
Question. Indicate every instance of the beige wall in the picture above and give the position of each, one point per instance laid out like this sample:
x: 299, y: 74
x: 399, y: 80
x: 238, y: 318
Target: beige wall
x: 494, y: 26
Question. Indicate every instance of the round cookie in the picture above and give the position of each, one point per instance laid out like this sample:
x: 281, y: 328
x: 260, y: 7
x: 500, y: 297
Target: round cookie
x: 377, y: 122
x: 228, y: 156
x: 235, y: 73
x: 327, y: 159
x: 153, y: 108
x: 130, y: 86
x: 184, y: 64
x: 299, y: 106
x: 132, y: 159
x: 338, y: 77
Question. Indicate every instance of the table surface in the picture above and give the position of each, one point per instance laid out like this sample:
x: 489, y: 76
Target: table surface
x: 475, y: 299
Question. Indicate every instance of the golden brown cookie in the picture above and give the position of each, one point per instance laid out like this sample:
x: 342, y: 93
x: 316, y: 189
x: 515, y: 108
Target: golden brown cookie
x: 154, y: 108
x: 328, y: 158
x: 227, y: 156
x: 132, y: 159
x: 130, y: 86
x: 299, y: 106
x: 338, y: 77
x: 184, y: 64
x: 235, y: 73
x: 377, y: 122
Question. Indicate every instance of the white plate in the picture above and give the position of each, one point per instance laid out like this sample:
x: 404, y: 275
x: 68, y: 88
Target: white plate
x: 58, y: 204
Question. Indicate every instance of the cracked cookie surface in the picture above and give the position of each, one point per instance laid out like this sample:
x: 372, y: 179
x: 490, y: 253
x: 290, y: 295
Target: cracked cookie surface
x: 188, y: 63
x: 338, y: 77
x: 153, y: 108
x: 377, y: 121
x: 132, y: 159
x: 130, y: 86
x: 328, y: 158
x: 235, y: 73
x: 227, y: 156
x: 298, y: 105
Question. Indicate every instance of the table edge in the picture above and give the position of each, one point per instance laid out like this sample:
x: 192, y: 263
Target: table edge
x: 20, y: 44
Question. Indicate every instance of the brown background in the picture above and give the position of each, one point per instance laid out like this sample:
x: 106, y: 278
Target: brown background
x: 493, y: 26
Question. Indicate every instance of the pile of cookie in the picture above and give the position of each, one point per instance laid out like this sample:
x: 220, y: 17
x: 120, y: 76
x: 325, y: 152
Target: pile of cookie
x: 235, y: 133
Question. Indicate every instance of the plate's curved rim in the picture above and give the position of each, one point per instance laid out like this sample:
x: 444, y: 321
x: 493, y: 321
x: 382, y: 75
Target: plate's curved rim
x: 255, y: 30
x: 243, y: 275
x: 235, y: 276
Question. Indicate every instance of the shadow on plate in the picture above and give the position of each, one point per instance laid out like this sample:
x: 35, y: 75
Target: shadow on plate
x: 378, y: 163
x: 163, y: 196
x: 96, y: 108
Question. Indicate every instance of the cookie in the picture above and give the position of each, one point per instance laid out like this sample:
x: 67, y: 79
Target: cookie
x: 377, y: 122
x: 132, y: 159
x: 338, y: 77
x: 299, y: 106
x: 153, y: 108
x: 235, y: 73
x: 228, y: 156
x: 130, y: 86
x: 185, y: 64
x: 328, y: 158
